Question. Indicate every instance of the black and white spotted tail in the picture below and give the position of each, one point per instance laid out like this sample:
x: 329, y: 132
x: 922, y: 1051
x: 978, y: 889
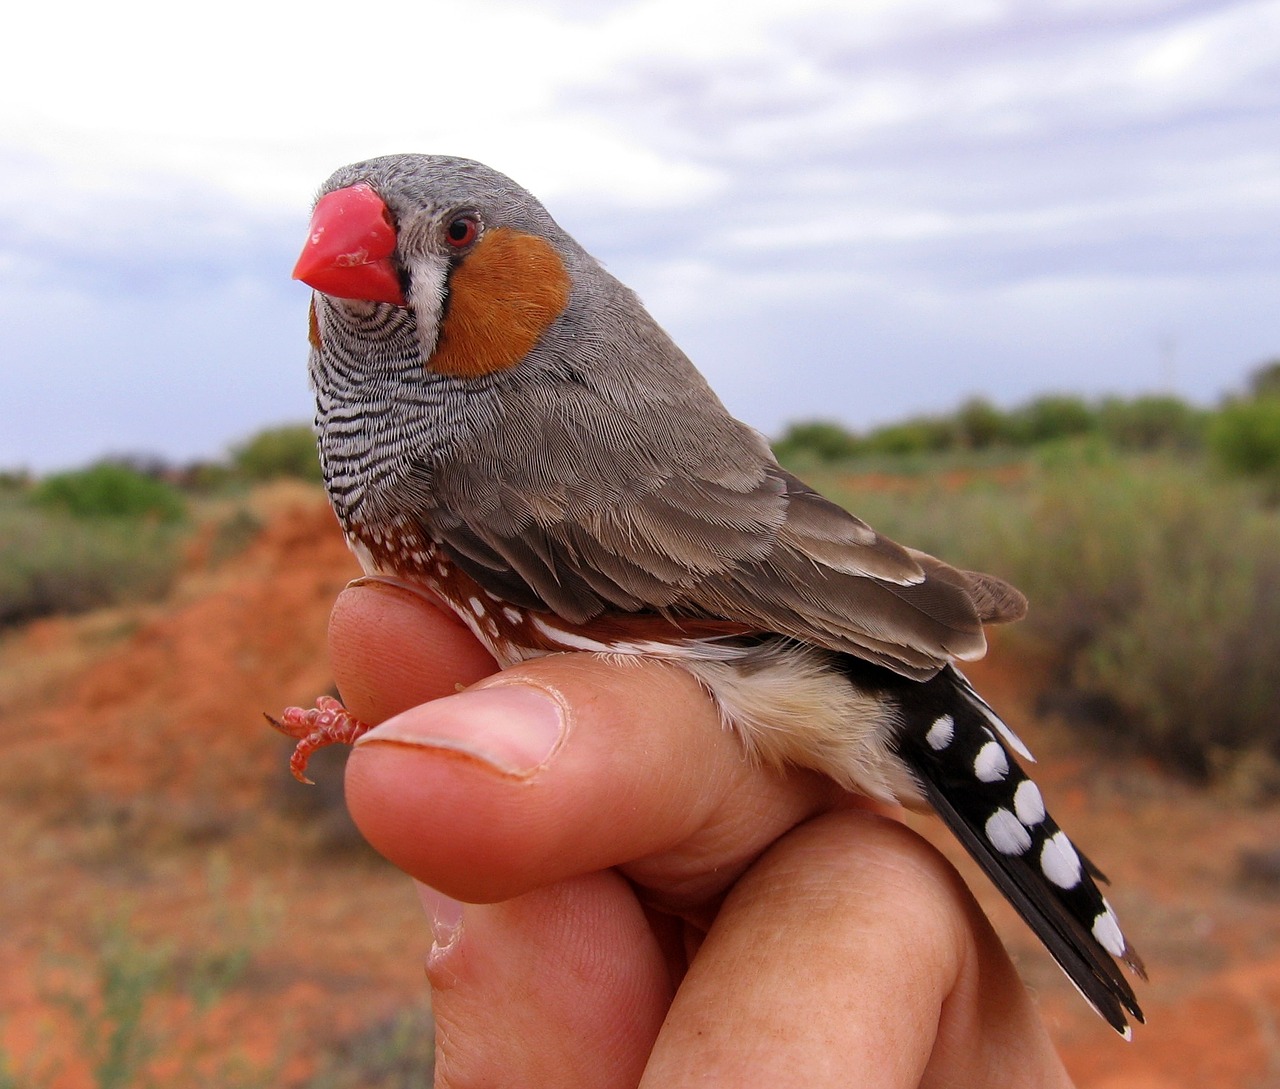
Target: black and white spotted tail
x: 959, y: 750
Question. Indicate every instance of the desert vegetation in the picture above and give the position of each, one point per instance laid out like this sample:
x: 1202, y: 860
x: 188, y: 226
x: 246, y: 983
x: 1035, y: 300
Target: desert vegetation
x: 149, y: 613
x: 1145, y: 531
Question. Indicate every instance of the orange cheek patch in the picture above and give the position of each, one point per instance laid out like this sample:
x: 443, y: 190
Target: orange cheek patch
x: 502, y: 297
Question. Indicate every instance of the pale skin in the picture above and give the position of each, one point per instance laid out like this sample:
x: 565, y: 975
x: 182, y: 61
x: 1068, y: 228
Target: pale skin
x: 642, y: 906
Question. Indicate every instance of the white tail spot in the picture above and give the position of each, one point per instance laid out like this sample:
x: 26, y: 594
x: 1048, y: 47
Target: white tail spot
x: 991, y: 765
x: 1028, y: 803
x: 1059, y: 861
x: 941, y: 733
x: 1106, y: 928
x: 1007, y: 834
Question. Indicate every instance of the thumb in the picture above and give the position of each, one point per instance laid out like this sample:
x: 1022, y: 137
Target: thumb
x: 563, y: 766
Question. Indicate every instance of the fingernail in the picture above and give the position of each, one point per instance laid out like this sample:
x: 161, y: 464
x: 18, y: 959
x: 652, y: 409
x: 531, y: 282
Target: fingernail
x: 514, y: 727
x: 445, y: 916
x: 390, y: 582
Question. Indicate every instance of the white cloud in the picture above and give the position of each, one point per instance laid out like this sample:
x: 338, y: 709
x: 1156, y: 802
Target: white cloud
x: 266, y: 99
x: 947, y: 188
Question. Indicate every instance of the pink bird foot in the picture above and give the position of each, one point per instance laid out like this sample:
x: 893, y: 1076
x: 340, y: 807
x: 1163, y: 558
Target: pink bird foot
x: 327, y: 723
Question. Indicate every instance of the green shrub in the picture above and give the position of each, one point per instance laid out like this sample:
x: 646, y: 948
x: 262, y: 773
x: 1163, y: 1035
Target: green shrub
x: 1159, y: 591
x: 109, y: 490
x: 1052, y: 418
x: 1152, y: 423
x: 922, y: 434
x: 288, y: 451
x: 980, y: 425
x: 1154, y: 586
x: 1245, y: 437
x: 54, y: 562
x: 232, y: 534
x: 822, y: 440
x: 207, y: 477
x: 15, y: 481
x: 1265, y: 380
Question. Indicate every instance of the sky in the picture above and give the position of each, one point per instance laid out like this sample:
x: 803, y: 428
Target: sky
x: 847, y: 209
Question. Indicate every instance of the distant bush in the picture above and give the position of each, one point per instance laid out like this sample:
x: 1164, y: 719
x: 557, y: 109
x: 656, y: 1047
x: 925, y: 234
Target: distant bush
x: 206, y: 477
x: 14, y: 481
x: 109, y: 490
x: 1161, y: 593
x: 53, y: 562
x: 90, y: 537
x: 979, y: 425
x: 821, y: 440
x: 1152, y: 423
x: 288, y: 451
x: 1265, y: 380
x: 1053, y: 418
x: 1154, y: 587
x: 229, y: 535
x: 1244, y: 436
x: 918, y: 435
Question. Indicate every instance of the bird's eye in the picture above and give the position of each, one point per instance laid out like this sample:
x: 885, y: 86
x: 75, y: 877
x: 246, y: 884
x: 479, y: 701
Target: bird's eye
x: 462, y: 231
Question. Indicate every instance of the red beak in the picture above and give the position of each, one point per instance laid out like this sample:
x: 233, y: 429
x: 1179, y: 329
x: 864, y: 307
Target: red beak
x: 349, y: 247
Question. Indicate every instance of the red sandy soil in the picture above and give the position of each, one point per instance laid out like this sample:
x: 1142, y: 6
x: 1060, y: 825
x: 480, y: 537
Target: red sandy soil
x: 139, y: 784
x: 948, y: 479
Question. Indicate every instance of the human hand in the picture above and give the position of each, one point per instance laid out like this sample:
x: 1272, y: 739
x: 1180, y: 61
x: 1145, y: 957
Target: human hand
x: 643, y: 906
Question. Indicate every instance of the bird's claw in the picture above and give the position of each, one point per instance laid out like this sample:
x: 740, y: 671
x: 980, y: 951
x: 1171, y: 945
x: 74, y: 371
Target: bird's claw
x: 327, y: 723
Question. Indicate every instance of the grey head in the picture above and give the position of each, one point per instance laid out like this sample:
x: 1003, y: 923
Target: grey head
x: 601, y: 387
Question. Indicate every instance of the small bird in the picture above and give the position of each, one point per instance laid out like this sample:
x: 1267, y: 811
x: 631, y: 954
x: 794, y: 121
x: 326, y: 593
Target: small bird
x: 501, y: 420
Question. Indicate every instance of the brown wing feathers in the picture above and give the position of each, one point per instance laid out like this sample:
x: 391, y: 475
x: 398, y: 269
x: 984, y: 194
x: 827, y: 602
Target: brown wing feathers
x: 780, y: 558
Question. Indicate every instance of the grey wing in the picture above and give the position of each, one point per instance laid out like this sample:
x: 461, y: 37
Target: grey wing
x: 581, y: 523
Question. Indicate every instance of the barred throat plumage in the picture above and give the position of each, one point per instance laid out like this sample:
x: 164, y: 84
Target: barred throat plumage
x: 381, y: 417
